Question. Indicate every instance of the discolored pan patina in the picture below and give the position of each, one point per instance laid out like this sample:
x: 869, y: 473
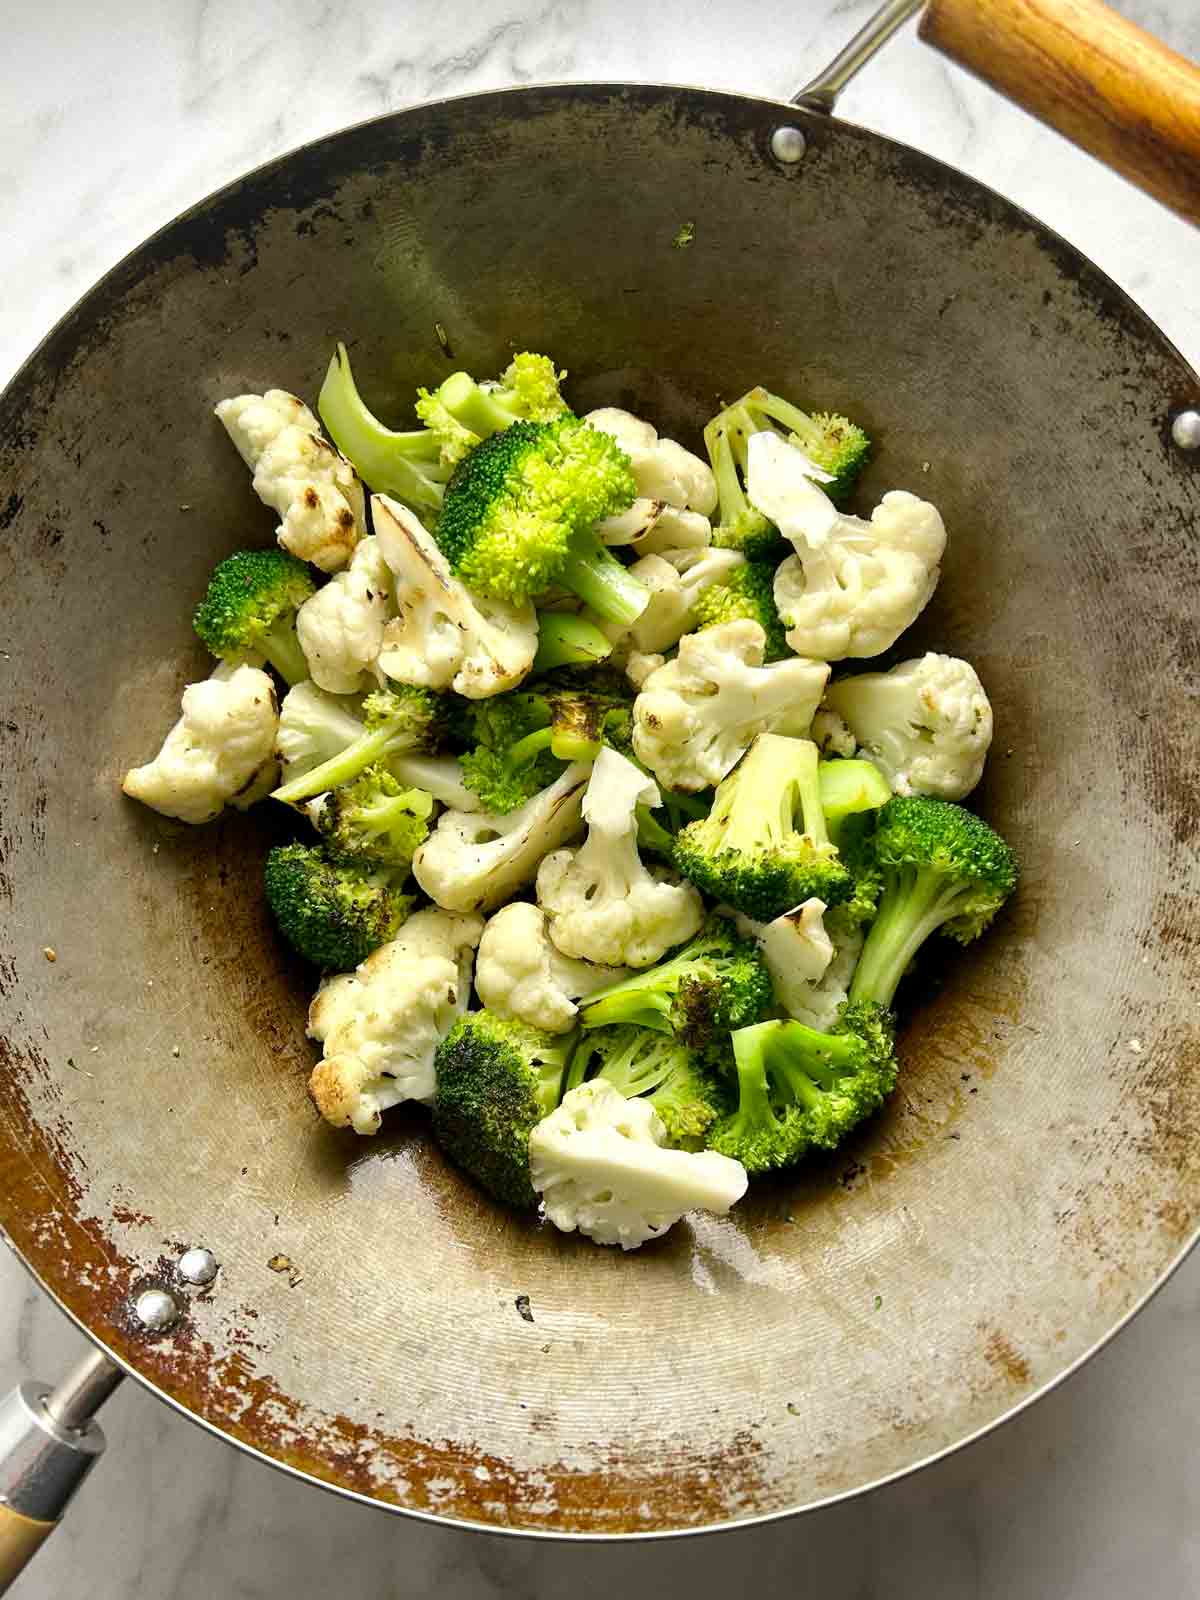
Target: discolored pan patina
x: 1039, y: 1171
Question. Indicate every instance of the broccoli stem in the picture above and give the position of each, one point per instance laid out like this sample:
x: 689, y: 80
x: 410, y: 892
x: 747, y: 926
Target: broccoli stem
x: 373, y: 745
x: 850, y: 787
x: 282, y: 649
x: 600, y: 581
x: 528, y: 749
x: 474, y: 407
x: 567, y: 640
x: 402, y: 464
x: 777, y: 777
x: 808, y: 790
x: 652, y: 836
x: 913, y: 907
x: 731, y: 495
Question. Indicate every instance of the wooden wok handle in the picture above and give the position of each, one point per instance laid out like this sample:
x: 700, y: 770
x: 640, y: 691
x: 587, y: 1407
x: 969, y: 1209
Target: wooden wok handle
x: 1101, y: 81
x: 20, y: 1540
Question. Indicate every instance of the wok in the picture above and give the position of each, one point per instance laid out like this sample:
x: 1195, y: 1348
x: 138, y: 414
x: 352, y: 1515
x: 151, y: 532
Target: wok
x: 375, y: 1324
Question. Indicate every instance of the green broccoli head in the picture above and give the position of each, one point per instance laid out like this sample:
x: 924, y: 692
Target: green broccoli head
x: 375, y: 821
x: 940, y: 868
x: 738, y: 525
x: 523, y: 739
x: 681, y: 1084
x: 334, y: 914
x: 462, y: 412
x: 714, y: 983
x: 748, y: 592
x: 519, y: 512
x: 250, y: 605
x: 799, y: 1089
x: 834, y: 443
x: 749, y: 851
x: 496, y: 1079
x: 396, y: 720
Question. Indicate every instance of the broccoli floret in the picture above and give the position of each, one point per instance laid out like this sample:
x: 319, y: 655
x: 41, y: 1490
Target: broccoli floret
x: 250, y: 605
x: 746, y: 592
x: 941, y: 868
x: 496, y: 1079
x: 395, y: 720
x: 406, y: 465
x: 799, y: 1089
x: 524, y: 737
x: 738, y: 525
x: 462, y: 412
x: 834, y: 443
x: 374, y: 821
x: 749, y: 852
x: 679, y: 1083
x: 716, y: 982
x: 519, y: 514
x: 333, y: 913
x: 568, y: 640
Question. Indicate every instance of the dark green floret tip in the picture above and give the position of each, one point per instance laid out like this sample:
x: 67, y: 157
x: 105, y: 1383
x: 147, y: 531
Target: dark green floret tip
x: 334, y: 914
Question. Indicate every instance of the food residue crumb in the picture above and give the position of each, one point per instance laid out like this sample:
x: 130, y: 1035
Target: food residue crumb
x: 523, y: 1307
x: 685, y: 236
x: 1136, y: 1046
x: 50, y: 953
x: 793, y: 1409
x: 878, y: 1301
x: 281, y: 1263
x: 174, y: 1049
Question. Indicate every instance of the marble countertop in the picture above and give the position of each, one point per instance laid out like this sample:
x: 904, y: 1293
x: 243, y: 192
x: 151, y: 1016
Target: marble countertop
x: 113, y: 118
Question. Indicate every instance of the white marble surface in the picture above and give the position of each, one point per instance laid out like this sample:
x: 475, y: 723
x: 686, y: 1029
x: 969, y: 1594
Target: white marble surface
x: 112, y: 118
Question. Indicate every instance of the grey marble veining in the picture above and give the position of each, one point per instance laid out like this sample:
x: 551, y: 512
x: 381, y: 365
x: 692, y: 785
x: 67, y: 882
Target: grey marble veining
x: 114, y: 118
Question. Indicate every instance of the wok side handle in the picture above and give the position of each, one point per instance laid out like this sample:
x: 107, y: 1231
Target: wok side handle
x: 1103, y: 82
x: 49, y: 1443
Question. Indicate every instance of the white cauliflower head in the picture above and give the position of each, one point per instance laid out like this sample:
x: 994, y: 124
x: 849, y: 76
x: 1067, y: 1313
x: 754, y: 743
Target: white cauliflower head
x: 662, y: 469
x: 602, y: 902
x: 217, y: 750
x: 381, y: 1024
x: 600, y: 1164
x: 299, y: 474
x: 341, y: 626
x: 652, y: 526
x: 816, y: 1001
x: 926, y: 724
x: 446, y: 637
x: 520, y: 974
x: 698, y: 715
x: 474, y: 861
x: 313, y: 728
x: 797, y: 950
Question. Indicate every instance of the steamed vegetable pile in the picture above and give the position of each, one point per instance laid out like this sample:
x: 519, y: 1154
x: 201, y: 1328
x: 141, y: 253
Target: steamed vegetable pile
x: 595, y: 861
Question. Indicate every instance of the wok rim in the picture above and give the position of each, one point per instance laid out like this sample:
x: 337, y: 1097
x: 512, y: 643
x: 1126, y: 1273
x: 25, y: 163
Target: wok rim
x: 25, y: 373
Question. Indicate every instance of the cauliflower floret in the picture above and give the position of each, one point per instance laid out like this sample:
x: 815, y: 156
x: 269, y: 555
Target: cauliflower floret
x: 520, y: 974
x: 381, y: 1024
x: 474, y: 861
x: 217, y: 751
x: 817, y: 1001
x: 926, y: 724
x: 652, y: 526
x: 341, y: 627
x: 675, y: 580
x: 299, y: 474
x: 831, y: 735
x: 600, y: 1165
x: 698, y: 715
x: 446, y: 637
x: 662, y: 469
x: 602, y: 903
x: 797, y: 950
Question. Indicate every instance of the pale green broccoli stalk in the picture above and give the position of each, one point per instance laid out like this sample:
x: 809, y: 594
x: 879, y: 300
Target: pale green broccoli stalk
x: 250, y: 606
x: 764, y: 847
x: 409, y: 466
x: 738, y: 525
x: 519, y: 514
x: 496, y: 1080
x: 334, y: 914
x: 462, y: 412
x: 395, y: 720
x: 374, y: 821
x: 833, y: 443
x: 942, y: 869
x: 849, y: 788
x: 799, y: 1089
x: 568, y: 640
x: 680, y: 1084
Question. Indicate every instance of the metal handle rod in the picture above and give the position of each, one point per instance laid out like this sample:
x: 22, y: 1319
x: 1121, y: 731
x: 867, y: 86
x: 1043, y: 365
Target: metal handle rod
x: 83, y: 1391
x: 821, y: 92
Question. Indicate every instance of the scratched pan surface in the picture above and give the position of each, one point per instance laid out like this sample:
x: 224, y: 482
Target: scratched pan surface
x: 1038, y: 1173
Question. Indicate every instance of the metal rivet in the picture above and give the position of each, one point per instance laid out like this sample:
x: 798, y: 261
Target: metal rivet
x: 197, y: 1265
x: 1185, y: 430
x: 788, y: 145
x: 156, y: 1310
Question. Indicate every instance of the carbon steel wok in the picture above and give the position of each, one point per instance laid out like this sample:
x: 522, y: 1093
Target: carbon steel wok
x: 1037, y: 1175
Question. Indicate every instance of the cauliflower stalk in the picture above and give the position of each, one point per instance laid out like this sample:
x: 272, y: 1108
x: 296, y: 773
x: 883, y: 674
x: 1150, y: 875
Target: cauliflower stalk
x: 601, y: 1166
x: 697, y: 715
x: 852, y: 587
x: 221, y: 750
x: 662, y: 469
x: 602, y: 903
x: 445, y: 637
x: 381, y: 1024
x: 474, y: 861
x: 299, y: 474
x: 926, y: 724
x: 341, y: 627
x: 675, y: 580
x: 520, y: 974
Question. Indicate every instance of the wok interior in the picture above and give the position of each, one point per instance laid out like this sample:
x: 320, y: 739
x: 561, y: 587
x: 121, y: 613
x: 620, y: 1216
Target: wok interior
x: 1036, y: 1173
